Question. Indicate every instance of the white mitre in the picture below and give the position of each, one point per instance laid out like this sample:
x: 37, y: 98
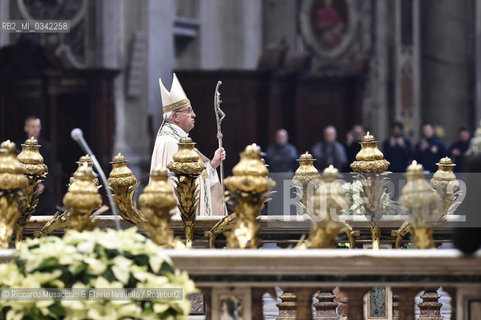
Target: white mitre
x: 175, y: 99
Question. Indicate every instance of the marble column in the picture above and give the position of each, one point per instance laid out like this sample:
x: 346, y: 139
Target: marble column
x: 430, y: 308
x: 446, y: 70
x: 355, y: 296
x: 405, y: 297
x: 326, y: 306
x: 287, y: 306
x: 4, y: 15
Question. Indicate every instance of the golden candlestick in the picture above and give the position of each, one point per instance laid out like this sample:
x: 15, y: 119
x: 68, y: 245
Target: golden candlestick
x: 81, y: 199
x: 324, y: 207
x: 445, y: 183
x: 370, y: 166
x: 13, y: 184
x: 304, y: 175
x: 247, y: 189
x: 85, y: 159
x: 187, y: 167
x: 36, y: 172
x: 123, y: 183
x: 423, y: 205
x: 157, y: 202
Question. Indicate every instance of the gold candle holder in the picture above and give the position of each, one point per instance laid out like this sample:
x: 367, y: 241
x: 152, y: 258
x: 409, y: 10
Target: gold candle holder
x: 305, y: 174
x: 247, y: 189
x: 325, y: 203
x: 423, y: 205
x: 187, y: 167
x: 85, y: 159
x: 36, y: 172
x: 81, y: 199
x: 370, y: 166
x: 445, y: 183
x: 12, y: 186
x: 157, y: 202
x: 123, y: 184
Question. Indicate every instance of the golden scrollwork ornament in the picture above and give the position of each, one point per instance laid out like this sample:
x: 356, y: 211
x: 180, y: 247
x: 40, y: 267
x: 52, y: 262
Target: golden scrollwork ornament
x: 248, y: 189
x: 187, y: 166
x: 157, y: 202
x: 13, y: 184
x: 123, y: 183
x: 36, y: 172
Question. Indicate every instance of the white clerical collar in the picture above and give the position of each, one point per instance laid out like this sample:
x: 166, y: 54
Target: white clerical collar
x: 179, y: 130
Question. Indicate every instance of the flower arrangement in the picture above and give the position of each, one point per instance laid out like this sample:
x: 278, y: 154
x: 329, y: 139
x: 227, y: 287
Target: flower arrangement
x: 354, y: 194
x: 96, y: 259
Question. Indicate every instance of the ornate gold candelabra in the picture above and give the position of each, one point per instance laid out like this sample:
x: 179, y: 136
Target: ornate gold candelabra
x: 187, y: 167
x: 324, y: 207
x: 247, y: 189
x: 423, y: 205
x: 12, y: 186
x: 62, y: 219
x: 157, y: 201
x: 370, y: 166
x: 36, y: 172
x: 445, y: 183
x: 81, y: 199
x: 123, y: 183
x: 305, y: 174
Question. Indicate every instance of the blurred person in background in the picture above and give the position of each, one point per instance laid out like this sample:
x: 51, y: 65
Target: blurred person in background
x: 352, y: 145
x: 461, y: 149
x: 429, y: 150
x: 281, y: 155
x: 329, y: 151
x: 397, y: 148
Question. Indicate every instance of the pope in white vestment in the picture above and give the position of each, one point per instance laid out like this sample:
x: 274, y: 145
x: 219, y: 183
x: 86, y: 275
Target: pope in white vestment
x: 179, y: 119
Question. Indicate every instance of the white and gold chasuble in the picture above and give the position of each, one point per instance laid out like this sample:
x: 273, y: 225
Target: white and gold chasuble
x: 211, y: 200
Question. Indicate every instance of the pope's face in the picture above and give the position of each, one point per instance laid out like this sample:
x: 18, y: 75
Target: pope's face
x: 185, y: 118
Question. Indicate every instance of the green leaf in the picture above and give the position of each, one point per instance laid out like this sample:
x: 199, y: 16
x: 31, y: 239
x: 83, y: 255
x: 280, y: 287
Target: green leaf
x: 57, y: 309
x: 49, y: 262
x: 80, y: 268
x: 109, y: 275
x: 167, y: 267
x: 141, y: 260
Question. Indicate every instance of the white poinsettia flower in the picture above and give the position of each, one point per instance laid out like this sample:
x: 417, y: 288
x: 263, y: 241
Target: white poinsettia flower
x: 120, y: 268
x: 95, y: 267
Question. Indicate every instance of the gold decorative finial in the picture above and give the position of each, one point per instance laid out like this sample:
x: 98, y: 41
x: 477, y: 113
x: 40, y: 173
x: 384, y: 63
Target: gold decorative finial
x: 324, y: 207
x: 123, y: 183
x: 305, y: 174
x: 12, y: 185
x: 369, y: 159
x: 247, y: 189
x: 445, y: 183
x: 36, y: 172
x: 85, y: 159
x: 82, y: 198
x: 157, y: 201
x: 423, y: 205
x: 187, y: 167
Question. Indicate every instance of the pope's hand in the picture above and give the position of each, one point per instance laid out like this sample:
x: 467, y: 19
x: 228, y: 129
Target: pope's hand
x: 219, y: 156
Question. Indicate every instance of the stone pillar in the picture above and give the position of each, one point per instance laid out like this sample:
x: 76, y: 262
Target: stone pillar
x: 406, y: 302
x: 4, y: 15
x: 430, y: 307
x: 355, y: 297
x: 326, y: 307
x: 452, y: 291
x: 257, y: 302
x: 446, y: 28
x: 160, y: 56
x: 287, y: 306
x: 304, y: 303
x: 230, y: 34
x: 207, y: 293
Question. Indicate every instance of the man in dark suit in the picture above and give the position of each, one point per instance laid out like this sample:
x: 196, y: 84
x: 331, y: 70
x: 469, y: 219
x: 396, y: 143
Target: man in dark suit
x: 429, y: 150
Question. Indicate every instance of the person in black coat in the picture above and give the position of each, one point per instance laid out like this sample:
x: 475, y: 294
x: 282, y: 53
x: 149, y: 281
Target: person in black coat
x: 429, y: 150
x: 397, y: 149
x: 461, y: 149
